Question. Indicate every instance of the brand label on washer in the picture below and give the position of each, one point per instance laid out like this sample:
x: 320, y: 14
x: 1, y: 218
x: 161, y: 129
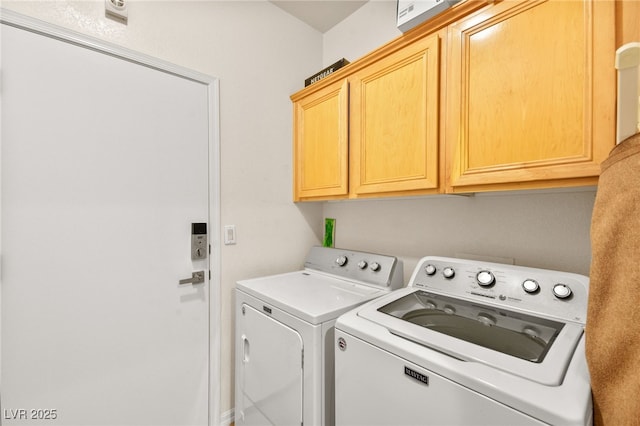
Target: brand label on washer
x: 416, y: 376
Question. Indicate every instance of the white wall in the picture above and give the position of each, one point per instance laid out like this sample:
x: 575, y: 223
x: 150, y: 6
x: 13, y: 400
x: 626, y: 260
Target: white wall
x: 547, y: 230
x: 368, y: 28
x: 544, y: 230
x: 261, y: 55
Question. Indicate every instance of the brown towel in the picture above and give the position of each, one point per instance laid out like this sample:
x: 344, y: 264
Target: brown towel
x: 613, y: 317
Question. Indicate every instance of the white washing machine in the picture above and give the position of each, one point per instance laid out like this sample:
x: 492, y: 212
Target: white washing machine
x: 285, y: 333
x: 467, y: 343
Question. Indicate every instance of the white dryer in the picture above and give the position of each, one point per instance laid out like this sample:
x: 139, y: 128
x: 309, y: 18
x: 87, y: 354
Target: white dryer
x: 285, y: 334
x: 467, y: 343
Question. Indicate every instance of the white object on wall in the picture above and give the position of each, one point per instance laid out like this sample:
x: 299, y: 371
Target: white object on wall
x: 628, y: 108
x: 117, y: 9
x: 229, y: 234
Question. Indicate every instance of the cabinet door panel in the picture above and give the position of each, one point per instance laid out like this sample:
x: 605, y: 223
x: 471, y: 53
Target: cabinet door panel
x: 523, y: 102
x: 394, y: 122
x: 321, y: 143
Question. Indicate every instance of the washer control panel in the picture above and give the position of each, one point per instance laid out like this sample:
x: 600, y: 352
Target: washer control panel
x: 370, y: 268
x: 554, y: 293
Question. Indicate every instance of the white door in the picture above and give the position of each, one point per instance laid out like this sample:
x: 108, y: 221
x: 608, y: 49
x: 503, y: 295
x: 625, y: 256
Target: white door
x: 104, y: 169
x: 270, y: 371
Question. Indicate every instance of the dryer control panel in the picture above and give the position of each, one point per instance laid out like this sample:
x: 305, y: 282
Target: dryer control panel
x: 373, y: 269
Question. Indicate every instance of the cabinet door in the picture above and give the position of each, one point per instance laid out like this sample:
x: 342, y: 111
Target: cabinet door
x: 530, y: 97
x: 394, y: 122
x: 321, y: 143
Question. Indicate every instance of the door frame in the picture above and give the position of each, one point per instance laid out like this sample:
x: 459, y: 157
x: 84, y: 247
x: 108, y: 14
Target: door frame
x: 46, y: 29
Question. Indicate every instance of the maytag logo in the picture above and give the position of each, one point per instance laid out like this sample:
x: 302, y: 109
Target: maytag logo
x: 416, y: 376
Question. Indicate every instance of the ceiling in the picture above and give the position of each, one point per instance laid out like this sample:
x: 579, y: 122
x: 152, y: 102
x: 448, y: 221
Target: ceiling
x: 320, y: 14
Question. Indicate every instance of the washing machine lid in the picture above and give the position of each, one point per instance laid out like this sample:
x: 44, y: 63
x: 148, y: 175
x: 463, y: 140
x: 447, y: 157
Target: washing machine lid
x: 311, y: 296
x: 536, y: 348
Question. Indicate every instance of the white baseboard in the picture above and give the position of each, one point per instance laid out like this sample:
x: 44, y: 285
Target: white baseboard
x: 227, y: 417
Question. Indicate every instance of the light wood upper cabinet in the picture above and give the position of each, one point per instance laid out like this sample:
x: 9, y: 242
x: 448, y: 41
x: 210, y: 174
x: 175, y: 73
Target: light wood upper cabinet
x: 530, y: 95
x: 373, y: 132
x: 394, y: 122
x: 321, y: 143
x: 512, y: 94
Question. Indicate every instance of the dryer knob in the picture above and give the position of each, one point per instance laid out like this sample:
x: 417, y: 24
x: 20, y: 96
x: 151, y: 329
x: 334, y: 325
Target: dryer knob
x: 362, y: 264
x: 430, y: 269
x: 341, y: 260
x: 375, y: 267
x: 448, y: 272
x: 561, y: 291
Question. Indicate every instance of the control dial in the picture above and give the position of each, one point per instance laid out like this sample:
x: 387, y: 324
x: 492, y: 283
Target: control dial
x: 485, y: 278
x: 448, y: 272
x: 561, y: 291
x: 362, y: 264
x: 430, y: 269
x: 341, y: 260
x: 530, y: 286
x: 375, y: 266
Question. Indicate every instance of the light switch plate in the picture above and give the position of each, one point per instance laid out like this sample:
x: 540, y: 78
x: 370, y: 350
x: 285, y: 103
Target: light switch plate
x: 229, y: 234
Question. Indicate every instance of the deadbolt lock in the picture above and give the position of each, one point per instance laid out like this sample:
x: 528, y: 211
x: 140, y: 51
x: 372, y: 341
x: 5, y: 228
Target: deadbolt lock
x: 199, y: 245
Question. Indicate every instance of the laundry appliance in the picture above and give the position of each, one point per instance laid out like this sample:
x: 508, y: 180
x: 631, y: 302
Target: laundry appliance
x: 285, y: 334
x: 467, y: 343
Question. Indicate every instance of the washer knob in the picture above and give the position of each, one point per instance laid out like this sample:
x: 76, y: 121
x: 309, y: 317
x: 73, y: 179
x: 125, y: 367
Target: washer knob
x: 375, y: 266
x: 362, y: 264
x: 341, y: 260
x: 561, y: 291
x: 530, y: 286
x: 430, y: 269
x: 448, y: 272
x: 485, y: 278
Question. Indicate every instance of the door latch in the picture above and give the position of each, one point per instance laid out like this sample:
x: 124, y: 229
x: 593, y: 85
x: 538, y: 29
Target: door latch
x: 196, y: 278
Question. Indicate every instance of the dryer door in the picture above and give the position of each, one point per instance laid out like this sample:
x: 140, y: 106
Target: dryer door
x: 270, y: 370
